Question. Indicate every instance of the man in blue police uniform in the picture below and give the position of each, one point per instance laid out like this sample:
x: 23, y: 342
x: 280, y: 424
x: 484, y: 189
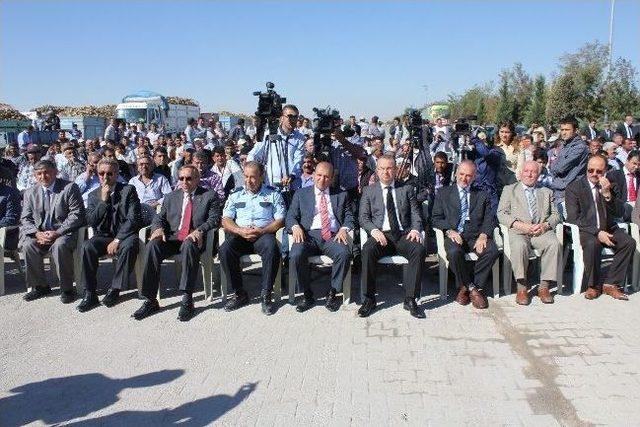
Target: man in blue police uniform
x: 251, y: 217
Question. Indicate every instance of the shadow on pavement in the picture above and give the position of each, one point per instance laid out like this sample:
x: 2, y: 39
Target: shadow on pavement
x: 57, y: 400
x: 201, y: 412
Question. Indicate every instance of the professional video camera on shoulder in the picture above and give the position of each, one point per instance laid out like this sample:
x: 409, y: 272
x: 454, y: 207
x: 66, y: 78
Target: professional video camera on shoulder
x: 327, y: 121
x: 270, y: 107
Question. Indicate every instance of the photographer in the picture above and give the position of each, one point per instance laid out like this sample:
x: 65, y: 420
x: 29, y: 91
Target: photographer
x: 488, y: 160
x: 343, y: 154
x: 282, y: 156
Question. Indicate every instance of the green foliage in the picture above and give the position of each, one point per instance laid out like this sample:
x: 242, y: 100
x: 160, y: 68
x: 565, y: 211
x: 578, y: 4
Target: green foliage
x: 620, y: 95
x: 506, y: 101
x: 536, y: 111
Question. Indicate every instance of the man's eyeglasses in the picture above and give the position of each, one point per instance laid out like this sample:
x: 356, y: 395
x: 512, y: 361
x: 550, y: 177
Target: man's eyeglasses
x: 291, y: 116
x: 596, y: 171
x: 105, y: 173
x: 185, y: 178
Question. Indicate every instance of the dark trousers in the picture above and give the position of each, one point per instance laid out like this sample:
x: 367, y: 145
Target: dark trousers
x: 592, y: 255
x: 312, y: 246
x: 235, y: 247
x: 158, y: 251
x: 372, y: 251
x: 96, y: 247
x: 465, y: 275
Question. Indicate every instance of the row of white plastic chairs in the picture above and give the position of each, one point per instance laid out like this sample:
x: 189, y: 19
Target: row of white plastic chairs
x: 208, y: 262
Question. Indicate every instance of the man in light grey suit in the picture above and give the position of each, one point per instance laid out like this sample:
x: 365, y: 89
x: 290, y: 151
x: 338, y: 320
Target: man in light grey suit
x: 531, y: 216
x: 389, y: 213
x: 52, y: 213
x: 319, y: 220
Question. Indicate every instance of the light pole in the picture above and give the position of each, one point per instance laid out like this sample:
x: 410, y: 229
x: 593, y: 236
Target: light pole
x: 613, y: 6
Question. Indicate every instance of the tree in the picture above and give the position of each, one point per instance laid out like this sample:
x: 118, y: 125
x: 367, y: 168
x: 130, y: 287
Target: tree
x: 561, y: 99
x: 536, y: 111
x: 481, y: 111
x: 521, y: 88
x: 505, y: 108
x: 620, y: 93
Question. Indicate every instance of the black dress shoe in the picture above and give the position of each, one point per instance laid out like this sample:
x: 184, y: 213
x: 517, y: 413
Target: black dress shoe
x: 111, y: 298
x: 240, y: 299
x: 412, y: 307
x: 89, y: 301
x: 37, y: 292
x: 186, y: 309
x: 367, y: 307
x: 148, y: 308
x: 67, y: 297
x: 305, y: 304
x: 332, y: 303
x: 268, y: 307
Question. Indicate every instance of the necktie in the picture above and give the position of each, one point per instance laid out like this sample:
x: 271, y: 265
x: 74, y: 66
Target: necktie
x: 324, y: 219
x: 391, y: 213
x: 633, y: 194
x: 47, y: 209
x: 464, y: 209
x: 533, y: 205
x: 186, y: 220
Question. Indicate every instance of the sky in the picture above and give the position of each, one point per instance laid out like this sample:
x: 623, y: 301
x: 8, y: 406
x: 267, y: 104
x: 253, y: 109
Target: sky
x: 363, y: 58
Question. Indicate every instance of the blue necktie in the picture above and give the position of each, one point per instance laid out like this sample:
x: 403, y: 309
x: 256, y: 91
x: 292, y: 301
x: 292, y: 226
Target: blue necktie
x: 464, y: 209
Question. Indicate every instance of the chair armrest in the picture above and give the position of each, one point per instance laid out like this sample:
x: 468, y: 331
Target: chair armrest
x: 635, y: 234
x: 142, y: 234
x: 211, y: 235
x: 3, y: 233
x: 506, y: 246
x: 497, y: 237
x: 442, y: 253
x: 575, y: 235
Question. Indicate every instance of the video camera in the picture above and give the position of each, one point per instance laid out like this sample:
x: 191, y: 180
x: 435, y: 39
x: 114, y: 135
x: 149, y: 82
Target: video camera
x: 326, y: 121
x: 269, y: 103
x: 462, y: 125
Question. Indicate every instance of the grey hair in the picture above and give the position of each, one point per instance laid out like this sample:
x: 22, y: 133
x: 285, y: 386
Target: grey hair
x: 109, y: 162
x: 45, y: 164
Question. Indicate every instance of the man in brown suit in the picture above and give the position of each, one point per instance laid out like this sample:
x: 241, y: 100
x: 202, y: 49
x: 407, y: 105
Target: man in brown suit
x: 531, y: 216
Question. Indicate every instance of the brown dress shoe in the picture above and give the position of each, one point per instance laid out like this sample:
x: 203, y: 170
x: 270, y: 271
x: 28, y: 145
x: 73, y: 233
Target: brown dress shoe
x: 614, y: 292
x: 463, y: 296
x: 592, y: 293
x: 478, y: 300
x: 522, y: 297
x: 545, y: 296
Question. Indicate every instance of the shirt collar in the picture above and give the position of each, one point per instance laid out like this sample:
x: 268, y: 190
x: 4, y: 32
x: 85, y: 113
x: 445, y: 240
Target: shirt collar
x: 526, y: 187
x: 384, y: 186
x: 318, y: 192
x: 460, y: 189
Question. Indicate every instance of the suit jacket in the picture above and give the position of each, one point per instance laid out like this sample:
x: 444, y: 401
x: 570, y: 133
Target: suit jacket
x: 373, y: 209
x: 620, y: 180
x: 67, y: 205
x: 587, y: 132
x: 205, y: 214
x: 447, y: 211
x: 606, y: 134
x: 514, y: 207
x: 119, y: 217
x: 581, y: 208
x: 10, y: 207
x: 303, y: 208
x: 635, y: 132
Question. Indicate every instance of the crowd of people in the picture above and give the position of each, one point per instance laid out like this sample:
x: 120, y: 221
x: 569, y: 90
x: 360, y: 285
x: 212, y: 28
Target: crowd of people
x: 389, y: 179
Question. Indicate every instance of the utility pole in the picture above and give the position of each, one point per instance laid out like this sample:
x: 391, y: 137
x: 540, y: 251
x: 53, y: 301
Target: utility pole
x: 613, y: 6
x: 426, y: 95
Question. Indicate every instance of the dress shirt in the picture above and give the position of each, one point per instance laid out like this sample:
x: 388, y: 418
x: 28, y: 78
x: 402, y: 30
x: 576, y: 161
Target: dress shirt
x: 385, y: 221
x: 622, y: 155
x: 283, y: 157
x: 154, y: 191
x: 306, y: 181
x: 231, y: 168
x: 26, y: 177
x: 24, y: 139
x: 212, y: 181
x: 628, y: 130
x: 316, y: 224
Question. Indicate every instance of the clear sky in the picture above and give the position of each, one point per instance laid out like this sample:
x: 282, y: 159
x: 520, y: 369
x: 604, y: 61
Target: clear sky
x: 363, y: 58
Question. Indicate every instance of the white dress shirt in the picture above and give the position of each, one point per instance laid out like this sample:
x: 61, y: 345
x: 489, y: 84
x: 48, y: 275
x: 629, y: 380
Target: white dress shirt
x: 385, y: 221
x: 317, y: 220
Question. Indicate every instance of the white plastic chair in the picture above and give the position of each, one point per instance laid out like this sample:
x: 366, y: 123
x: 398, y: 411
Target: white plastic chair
x: 385, y: 260
x: 507, y: 270
x: 13, y: 255
x: 443, y: 263
x: 246, y: 261
x: 322, y: 261
x: 206, y: 260
x: 635, y: 279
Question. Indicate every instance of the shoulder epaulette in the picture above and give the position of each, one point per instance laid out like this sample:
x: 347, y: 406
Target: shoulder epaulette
x: 235, y: 190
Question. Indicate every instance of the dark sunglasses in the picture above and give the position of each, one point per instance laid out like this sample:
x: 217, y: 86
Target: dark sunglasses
x: 291, y: 116
x: 596, y: 171
x: 105, y: 173
x: 185, y: 178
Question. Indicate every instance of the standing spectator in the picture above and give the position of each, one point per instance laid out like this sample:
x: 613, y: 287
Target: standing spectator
x: 24, y: 138
x: 374, y: 130
x: 590, y: 131
x: 623, y: 151
x: 488, y: 160
x: 52, y: 122
x: 75, y: 132
x: 571, y: 162
x: 238, y: 131
x: 627, y: 182
x: 251, y: 130
x: 153, y: 134
x: 440, y: 127
x: 343, y: 154
x: 627, y: 130
x: 186, y: 157
x: 190, y: 131
x: 508, y: 144
x: 606, y: 133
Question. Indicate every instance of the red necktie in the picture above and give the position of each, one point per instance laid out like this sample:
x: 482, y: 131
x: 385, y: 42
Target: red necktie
x: 633, y: 194
x: 324, y: 219
x: 186, y: 220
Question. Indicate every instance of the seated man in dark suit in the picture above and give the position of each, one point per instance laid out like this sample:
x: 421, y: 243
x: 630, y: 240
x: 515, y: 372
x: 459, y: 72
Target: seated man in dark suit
x: 252, y: 215
x: 319, y: 219
x: 593, y: 204
x: 10, y: 214
x: 52, y: 214
x: 389, y: 213
x: 626, y: 181
x: 465, y: 215
x: 181, y: 227
x: 113, y: 210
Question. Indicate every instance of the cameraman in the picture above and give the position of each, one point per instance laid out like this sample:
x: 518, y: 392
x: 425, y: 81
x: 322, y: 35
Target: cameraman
x: 343, y: 154
x: 282, y: 157
x: 488, y: 160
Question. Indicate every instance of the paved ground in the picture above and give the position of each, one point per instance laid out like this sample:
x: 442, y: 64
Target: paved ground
x: 572, y: 363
